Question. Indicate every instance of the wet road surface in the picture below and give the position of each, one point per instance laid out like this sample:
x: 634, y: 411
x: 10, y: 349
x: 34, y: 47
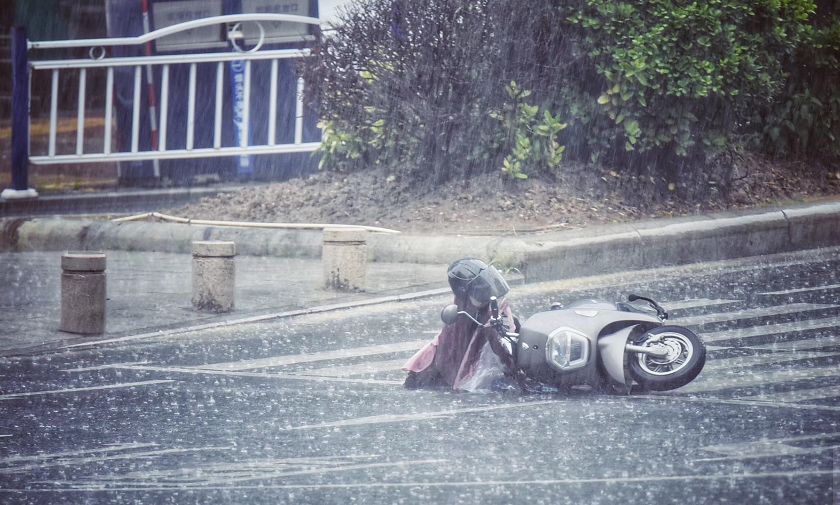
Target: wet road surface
x: 311, y: 409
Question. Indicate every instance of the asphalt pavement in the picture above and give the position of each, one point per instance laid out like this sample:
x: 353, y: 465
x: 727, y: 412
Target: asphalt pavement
x: 310, y: 408
x: 296, y: 396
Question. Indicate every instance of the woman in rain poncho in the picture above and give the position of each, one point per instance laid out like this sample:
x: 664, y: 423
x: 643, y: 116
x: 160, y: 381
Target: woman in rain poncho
x: 466, y: 356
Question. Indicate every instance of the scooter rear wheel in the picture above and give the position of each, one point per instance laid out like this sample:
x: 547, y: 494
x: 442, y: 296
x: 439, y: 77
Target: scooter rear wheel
x: 685, y: 359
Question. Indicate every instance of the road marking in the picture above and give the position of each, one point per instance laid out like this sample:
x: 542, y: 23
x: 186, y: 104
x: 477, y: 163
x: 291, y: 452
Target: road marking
x: 772, y: 329
x: 285, y: 360
x: 799, y: 395
x: 675, y: 396
x: 211, y: 473
x: 797, y: 345
x: 261, y: 375
x: 779, y: 260
x: 109, y: 448
x: 762, y: 359
x: 739, y: 379
x: 229, y: 474
x: 501, y: 484
x: 369, y: 367
x: 772, y: 447
x: 419, y: 416
x: 266, y: 317
x: 293, y: 359
x: 776, y: 310
x: 72, y: 461
x: 696, y: 302
x: 14, y: 396
x: 343, y: 468
x: 801, y: 290
x: 105, y: 367
x: 782, y: 450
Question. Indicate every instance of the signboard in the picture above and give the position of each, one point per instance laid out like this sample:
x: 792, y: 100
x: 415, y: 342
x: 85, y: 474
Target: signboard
x: 169, y: 12
x: 276, y: 32
x: 245, y: 167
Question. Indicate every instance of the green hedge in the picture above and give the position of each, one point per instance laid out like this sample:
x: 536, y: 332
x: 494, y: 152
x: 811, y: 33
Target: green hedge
x: 804, y: 120
x: 452, y: 88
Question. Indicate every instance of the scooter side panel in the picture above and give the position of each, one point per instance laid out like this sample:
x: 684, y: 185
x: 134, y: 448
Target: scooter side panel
x: 590, y: 320
x: 533, y: 337
x: 611, y: 348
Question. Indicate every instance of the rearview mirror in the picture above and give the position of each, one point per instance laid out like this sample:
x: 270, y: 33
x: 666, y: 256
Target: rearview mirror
x: 449, y: 314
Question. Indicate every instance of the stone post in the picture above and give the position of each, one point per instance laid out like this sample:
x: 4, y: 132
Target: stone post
x: 345, y: 259
x: 83, y: 292
x: 213, y: 275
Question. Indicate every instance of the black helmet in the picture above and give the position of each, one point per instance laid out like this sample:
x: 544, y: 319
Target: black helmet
x: 477, y: 281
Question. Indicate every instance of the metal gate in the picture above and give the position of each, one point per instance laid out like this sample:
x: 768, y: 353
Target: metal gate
x: 24, y: 69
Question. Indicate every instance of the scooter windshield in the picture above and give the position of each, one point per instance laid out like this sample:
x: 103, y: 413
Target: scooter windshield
x: 487, y: 284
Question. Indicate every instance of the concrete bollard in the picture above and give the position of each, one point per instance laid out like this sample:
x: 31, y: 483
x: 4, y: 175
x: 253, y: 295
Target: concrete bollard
x: 213, y: 275
x: 83, y: 290
x: 344, y: 258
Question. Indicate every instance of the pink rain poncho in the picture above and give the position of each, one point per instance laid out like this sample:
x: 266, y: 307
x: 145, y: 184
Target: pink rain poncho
x: 463, y: 356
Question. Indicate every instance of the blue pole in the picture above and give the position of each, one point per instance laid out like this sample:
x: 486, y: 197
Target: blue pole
x: 20, y: 109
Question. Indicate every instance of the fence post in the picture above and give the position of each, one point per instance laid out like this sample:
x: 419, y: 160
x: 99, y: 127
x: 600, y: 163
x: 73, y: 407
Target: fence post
x: 20, y: 118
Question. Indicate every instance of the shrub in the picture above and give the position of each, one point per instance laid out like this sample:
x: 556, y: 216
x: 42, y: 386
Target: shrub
x: 431, y: 88
x: 805, y: 121
x: 682, y: 77
x: 447, y: 89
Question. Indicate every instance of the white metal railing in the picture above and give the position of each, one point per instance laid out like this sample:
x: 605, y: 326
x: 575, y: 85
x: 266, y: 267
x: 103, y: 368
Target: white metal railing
x: 98, y: 59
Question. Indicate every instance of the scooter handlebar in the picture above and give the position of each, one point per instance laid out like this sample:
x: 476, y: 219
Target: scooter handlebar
x: 663, y: 314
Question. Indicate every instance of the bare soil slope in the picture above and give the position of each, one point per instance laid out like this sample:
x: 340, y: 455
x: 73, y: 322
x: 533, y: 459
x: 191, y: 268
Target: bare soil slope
x: 582, y: 196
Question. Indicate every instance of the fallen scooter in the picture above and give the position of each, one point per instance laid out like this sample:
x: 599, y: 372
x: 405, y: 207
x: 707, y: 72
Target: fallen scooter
x: 598, y: 344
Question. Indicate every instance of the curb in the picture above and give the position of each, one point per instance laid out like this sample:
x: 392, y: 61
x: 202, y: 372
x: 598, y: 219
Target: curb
x: 573, y: 253
x: 56, y: 234
x: 106, y: 202
x: 670, y: 242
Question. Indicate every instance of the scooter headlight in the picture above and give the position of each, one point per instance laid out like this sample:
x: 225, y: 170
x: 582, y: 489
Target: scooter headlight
x: 567, y: 349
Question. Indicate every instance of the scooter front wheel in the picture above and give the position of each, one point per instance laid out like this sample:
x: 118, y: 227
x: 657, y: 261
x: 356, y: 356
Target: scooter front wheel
x: 684, y: 358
